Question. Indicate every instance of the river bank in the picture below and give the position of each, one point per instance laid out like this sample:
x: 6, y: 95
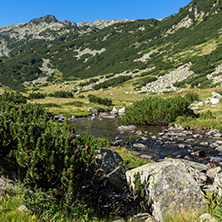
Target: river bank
x: 155, y: 142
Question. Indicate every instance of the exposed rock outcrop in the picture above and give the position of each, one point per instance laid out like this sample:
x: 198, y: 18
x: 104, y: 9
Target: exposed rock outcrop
x: 112, y: 167
x: 165, y: 83
x: 169, y: 185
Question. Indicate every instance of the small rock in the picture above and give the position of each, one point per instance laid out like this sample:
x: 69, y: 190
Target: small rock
x: 190, y: 140
x: 146, y: 157
x: 219, y: 142
x: 59, y: 118
x: 219, y: 149
x: 204, y: 143
x: 207, y: 218
x: 202, y: 179
x: 216, y: 95
x: 117, y: 142
x: 6, y: 186
x: 142, y: 217
x: 168, y: 142
x: 197, y: 136
x: 114, y: 111
x: 211, y: 173
x: 127, y: 128
x: 181, y: 146
x: 214, y: 101
x: 93, y: 111
x: 218, y: 135
x: 200, y: 154
x: 139, y: 133
x: 210, y: 166
x: 121, y: 111
x: 139, y: 145
x: 214, y: 145
x: 109, y: 161
x: 23, y: 208
x: 218, y: 183
x: 188, y: 158
x: 212, y: 132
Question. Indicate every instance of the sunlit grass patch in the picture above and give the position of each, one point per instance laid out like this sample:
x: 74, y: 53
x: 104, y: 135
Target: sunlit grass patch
x: 129, y: 158
x: 188, y: 215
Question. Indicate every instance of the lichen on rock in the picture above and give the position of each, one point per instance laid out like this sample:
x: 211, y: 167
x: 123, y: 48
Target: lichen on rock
x: 169, y: 185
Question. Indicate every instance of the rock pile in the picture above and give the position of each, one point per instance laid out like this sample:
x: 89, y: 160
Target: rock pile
x: 165, y: 83
x: 106, y: 115
x: 214, y: 100
x: 59, y: 118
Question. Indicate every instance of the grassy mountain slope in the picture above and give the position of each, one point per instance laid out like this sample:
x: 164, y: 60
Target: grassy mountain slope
x: 142, y: 48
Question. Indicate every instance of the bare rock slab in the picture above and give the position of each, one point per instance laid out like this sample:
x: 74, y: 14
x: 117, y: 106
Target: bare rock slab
x: 169, y: 185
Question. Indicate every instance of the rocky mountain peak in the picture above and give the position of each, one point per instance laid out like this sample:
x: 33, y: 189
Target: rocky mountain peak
x: 66, y: 22
x: 46, y: 19
x: 100, y: 24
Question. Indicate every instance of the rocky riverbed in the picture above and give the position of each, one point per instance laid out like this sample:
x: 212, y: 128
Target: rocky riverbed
x: 177, y: 142
x: 156, y: 143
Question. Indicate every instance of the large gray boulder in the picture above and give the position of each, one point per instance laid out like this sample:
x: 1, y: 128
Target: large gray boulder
x: 113, y: 168
x: 169, y: 185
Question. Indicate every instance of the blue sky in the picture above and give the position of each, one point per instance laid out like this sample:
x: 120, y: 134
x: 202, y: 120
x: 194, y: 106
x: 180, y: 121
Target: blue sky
x: 20, y: 11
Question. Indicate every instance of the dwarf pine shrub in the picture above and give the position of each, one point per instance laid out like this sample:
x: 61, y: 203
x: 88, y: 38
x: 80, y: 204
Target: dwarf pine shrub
x: 46, y: 154
x: 99, y: 100
x: 156, y: 111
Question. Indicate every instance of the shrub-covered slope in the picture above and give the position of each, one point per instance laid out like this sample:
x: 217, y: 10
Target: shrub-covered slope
x: 193, y: 35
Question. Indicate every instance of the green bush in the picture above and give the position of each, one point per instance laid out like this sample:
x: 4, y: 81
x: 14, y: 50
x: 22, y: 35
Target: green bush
x: 76, y: 103
x: 51, y: 105
x: 81, y: 96
x: 99, y: 100
x: 62, y: 94
x: 144, y: 81
x: 207, y: 115
x: 88, y: 82
x: 191, y: 97
x: 36, y: 95
x: 112, y: 82
x: 48, y: 155
x: 156, y: 111
x: 12, y: 97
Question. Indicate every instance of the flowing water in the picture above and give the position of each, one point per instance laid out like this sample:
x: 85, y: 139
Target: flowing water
x: 108, y: 129
x: 156, y: 144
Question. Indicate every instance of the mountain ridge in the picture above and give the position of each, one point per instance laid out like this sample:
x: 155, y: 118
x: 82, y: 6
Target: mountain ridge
x: 34, y: 30
x: 192, y: 36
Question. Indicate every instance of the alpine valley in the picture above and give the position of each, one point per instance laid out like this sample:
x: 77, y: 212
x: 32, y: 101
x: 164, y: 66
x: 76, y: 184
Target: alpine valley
x: 151, y: 56
x: 159, y: 160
